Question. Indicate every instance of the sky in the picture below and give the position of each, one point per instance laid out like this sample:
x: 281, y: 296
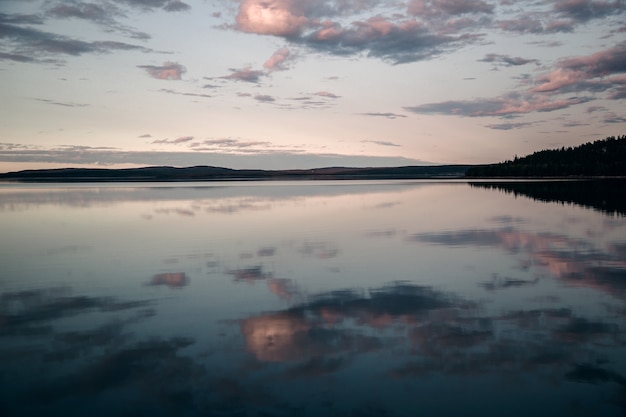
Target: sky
x: 278, y: 84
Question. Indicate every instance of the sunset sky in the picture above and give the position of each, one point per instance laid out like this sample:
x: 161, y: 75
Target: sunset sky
x: 280, y: 84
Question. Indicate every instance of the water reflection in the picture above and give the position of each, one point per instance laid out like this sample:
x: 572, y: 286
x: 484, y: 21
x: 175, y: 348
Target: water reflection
x: 597, y: 194
x: 576, y: 261
x: 171, y: 279
x: 329, y: 301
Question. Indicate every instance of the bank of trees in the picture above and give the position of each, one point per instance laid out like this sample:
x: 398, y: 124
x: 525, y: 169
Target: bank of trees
x: 606, y: 157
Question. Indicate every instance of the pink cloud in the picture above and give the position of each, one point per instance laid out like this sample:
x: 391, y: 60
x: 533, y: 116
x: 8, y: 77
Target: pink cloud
x: 597, y: 72
x: 314, y: 24
x: 277, y: 61
x: 326, y: 94
x: 271, y: 17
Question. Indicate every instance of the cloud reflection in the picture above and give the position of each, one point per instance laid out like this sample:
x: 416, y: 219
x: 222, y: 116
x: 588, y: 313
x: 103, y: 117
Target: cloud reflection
x: 170, y: 279
x: 575, y: 261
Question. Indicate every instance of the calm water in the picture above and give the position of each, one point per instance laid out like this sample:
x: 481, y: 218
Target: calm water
x: 405, y: 298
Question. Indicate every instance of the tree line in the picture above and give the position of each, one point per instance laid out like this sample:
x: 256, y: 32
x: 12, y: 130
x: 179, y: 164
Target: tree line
x: 605, y: 157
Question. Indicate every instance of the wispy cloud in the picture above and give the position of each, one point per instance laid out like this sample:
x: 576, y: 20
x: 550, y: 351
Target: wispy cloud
x: 177, y: 141
x: 446, y: 8
x: 507, y: 60
x: 326, y: 94
x: 166, y: 5
x: 507, y: 105
x: 509, y: 126
x: 388, y: 115
x: 381, y: 143
x: 179, y: 93
x: 40, y: 45
x: 60, y: 103
x: 105, y: 14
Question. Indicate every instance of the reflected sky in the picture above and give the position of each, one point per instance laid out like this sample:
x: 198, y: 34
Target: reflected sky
x: 279, y: 299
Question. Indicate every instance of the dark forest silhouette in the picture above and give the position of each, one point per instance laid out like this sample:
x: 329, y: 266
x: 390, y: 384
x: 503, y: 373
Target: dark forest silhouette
x: 606, y: 157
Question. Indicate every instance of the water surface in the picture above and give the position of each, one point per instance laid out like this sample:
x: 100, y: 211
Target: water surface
x: 381, y: 298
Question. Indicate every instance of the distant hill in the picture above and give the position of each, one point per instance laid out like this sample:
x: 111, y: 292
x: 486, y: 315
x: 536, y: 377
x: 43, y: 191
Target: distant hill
x: 606, y: 157
x: 208, y: 173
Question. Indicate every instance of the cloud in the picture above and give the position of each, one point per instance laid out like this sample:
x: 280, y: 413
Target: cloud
x: 601, y: 71
x: 167, y: 71
x: 228, y: 143
x: 264, y: 98
x: 506, y: 105
x: 245, y: 74
x: 381, y: 142
x: 167, y: 5
x: 553, y: 16
x: 277, y: 61
x: 614, y: 118
x: 388, y: 115
x: 105, y: 14
x: 310, y: 23
x: 507, y: 60
x: 230, y: 153
x: 16, y: 57
x: 508, y: 126
x: 38, y: 44
x: 59, y: 103
x: 272, y: 17
x: 169, y: 91
x: 177, y: 141
x: 585, y: 10
x: 326, y: 94
x: 448, y: 7
x: 524, y: 24
x: 86, y: 11
x: 396, y: 42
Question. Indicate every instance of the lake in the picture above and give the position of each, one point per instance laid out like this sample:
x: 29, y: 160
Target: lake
x: 338, y: 298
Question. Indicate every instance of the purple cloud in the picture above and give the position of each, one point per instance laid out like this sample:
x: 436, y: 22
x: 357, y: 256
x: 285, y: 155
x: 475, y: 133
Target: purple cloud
x: 167, y: 71
x: 245, y: 74
x: 507, y: 105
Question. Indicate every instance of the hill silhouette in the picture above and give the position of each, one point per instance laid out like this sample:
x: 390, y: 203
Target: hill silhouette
x: 606, y: 157
x: 209, y: 173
